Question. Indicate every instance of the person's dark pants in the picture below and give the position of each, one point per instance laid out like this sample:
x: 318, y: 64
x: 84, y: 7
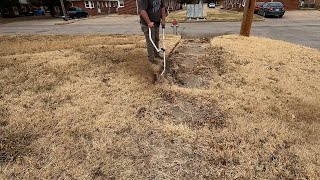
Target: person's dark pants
x: 152, y: 52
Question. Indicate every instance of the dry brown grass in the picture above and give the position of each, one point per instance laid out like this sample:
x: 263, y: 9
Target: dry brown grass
x: 212, y: 15
x: 180, y: 16
x: 85, y: 108
x: 227, y: 15
x: 275, y: 94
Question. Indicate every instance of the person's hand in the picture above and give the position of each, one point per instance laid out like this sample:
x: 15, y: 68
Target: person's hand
x: 151, y: 25
x: 163, y: 24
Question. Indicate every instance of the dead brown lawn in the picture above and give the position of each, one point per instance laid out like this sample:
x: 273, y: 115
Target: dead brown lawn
x: 212, y: 15
x: 84, y: 107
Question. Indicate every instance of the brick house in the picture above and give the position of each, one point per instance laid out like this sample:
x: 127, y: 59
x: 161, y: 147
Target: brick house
x: 97, y: 7
x: 23, y: 8
x: 239, y: 4
x: 131, y: 6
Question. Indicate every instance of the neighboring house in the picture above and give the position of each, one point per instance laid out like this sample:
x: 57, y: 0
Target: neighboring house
x: 131, y: 6
x: 25, y: 7
x: 289, y: 4
x: 22, y: 8
x: 239, y: 4
x: 95, y: 7
x: 310, y: 3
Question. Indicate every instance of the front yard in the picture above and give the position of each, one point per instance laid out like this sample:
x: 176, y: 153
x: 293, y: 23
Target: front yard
x: 224, y: 110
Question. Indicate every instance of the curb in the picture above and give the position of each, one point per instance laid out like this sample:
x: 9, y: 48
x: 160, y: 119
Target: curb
x: 65, y: 22
x: 70, y: 21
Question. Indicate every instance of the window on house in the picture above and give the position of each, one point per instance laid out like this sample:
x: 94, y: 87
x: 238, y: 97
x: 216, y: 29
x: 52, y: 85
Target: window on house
x: 89, y: 4
x: 15, y: 10
x: 121, y: 3
x: 6, y: 11
x: 57, y: 9
x: 23, y: 8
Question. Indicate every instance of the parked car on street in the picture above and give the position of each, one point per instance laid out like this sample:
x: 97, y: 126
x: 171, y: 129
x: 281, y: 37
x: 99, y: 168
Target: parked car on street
x: 272, y: 9
x: 212, y: 5
x: 76, y: 12
x: 258, y: 6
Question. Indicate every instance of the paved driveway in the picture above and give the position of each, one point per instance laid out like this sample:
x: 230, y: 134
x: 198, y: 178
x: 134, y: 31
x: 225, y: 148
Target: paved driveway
x: 300, y: 27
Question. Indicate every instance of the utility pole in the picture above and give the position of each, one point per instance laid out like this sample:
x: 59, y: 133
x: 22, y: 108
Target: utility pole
x: 63, y: 10
x: 247, y: 17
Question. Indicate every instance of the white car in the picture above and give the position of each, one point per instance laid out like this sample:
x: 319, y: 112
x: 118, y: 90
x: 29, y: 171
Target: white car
x: 212, y: 5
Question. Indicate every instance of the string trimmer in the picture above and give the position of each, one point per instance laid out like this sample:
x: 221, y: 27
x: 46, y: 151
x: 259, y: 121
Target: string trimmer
x: 160, y: 49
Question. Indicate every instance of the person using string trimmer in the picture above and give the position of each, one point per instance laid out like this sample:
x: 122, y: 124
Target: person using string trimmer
x: 152, y: 14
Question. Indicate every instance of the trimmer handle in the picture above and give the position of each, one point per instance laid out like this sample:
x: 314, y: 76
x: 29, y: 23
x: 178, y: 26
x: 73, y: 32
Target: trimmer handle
x: 160, y: 49
x: 154, y: 45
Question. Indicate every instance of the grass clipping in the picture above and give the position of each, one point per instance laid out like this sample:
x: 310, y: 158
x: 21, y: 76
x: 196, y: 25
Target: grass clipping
x: 90, y: 111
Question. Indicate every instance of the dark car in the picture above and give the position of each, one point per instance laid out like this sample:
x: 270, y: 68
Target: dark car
x: 258, y: 6
x: 76, y: 12
x: 272, y: 9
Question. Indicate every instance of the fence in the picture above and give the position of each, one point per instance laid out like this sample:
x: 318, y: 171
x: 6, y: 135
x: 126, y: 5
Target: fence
x: 195, y: 11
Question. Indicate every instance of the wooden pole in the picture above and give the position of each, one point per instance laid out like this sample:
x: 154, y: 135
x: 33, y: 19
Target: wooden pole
x: 247, y: 17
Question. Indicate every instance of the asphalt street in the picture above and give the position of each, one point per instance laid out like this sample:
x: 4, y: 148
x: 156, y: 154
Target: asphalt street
x: 303, y: 28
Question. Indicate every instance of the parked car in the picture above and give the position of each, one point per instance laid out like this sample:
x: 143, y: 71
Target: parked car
x: 258, y: 6
x: 212, y: 5
x: 272, y: 9
x: 76, y: 12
